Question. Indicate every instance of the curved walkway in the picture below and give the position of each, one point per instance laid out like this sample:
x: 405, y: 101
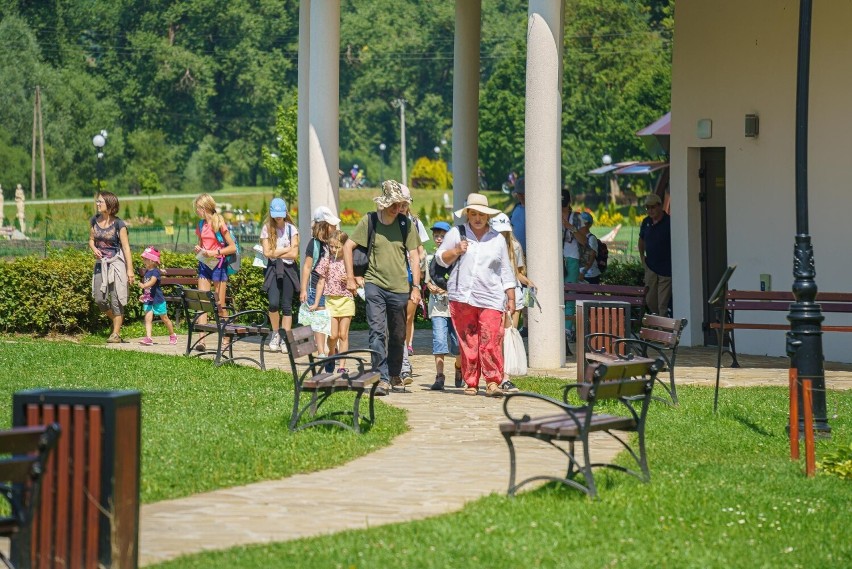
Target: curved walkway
x: 452, y: 454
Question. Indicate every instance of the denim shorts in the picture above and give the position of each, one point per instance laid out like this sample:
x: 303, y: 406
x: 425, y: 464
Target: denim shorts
x: 217, y: 275
x: 312, y: 295
x: 444, y: 340
x: 158, y: 308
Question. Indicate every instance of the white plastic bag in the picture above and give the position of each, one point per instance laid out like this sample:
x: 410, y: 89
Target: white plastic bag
x: 260, y: 259
x: 514, y: 353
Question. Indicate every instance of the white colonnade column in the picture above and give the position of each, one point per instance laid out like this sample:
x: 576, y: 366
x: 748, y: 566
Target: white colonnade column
x: 324, y: 105
x: 303, y: 122
x: 466, y: 100
x: 542, y: 173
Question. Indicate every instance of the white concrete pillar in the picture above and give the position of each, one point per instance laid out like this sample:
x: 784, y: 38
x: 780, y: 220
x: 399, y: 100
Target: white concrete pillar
x: 466, y: 100
x: 323, y: 111
x: 542, y: 173
x: 303, y: 122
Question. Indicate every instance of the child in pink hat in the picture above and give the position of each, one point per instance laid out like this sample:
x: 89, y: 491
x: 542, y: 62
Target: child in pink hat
x: 152, y: 297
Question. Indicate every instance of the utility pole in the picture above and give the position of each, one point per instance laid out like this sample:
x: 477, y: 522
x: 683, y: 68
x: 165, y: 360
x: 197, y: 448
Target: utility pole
x: 401, y: 104
x: 38, y: 137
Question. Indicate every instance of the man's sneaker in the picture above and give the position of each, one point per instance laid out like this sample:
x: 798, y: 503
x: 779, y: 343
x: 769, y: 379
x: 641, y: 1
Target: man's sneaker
x: 172, y: 339
x: 509, y: 387
x: 459, y: 380
x: 493, y: 390
x: 439, y: 383
x: 275, y: 343
x: 383, y: 389
x: 398, y: 382
x: 114, y: 339
x: 146, y: 341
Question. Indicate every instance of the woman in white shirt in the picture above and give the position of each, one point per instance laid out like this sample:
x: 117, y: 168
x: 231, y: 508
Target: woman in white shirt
x: 481, y: 288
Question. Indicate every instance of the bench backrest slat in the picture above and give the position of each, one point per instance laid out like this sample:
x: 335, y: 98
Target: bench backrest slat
x: 660, y: 337
x: 622, y: 290
x: 199, y: 300
x: 17, y: 469
x: 663, y: 323
x: 617, y: 379
x: 21, y: 440
x: 302, y: 341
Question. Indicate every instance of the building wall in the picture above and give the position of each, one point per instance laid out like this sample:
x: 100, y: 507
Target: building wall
x: 733, y: 58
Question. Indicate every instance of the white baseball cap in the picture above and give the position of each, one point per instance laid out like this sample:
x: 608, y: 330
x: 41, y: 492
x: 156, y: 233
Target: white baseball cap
x: 323, y: 213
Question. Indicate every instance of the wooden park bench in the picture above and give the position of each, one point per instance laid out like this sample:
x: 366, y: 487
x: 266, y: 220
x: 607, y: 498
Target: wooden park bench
x: 631, y: 382
x: 234, y: 326
x: 735, y: 301
x: 659, y: 335
x: 24, y: 455
x: 315, y: 384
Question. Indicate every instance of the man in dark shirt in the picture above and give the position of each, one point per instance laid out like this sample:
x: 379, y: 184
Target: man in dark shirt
x: 655, y: 250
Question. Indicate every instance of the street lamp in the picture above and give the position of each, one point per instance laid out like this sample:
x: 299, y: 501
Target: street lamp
x: 437, y: 150
x: 607, y: 159
x: 382, y: 148
x: 98, y: 141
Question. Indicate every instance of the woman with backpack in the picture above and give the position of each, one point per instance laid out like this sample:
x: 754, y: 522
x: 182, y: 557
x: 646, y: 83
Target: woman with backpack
x: 280, y: 241
x: 590, y: 272
x: 215, y: 243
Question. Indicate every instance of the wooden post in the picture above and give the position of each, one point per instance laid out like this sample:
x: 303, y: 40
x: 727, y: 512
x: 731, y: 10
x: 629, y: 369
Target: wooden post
x: 41, y: 145
x: 808, y: 411
x: 794, y: 414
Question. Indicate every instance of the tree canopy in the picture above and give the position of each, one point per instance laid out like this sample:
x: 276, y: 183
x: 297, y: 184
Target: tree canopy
x: 191, y: 92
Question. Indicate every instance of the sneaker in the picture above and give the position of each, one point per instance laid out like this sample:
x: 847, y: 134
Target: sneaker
x: 114, y: 339
x: 459, y: 380
x: 146, y: 341
x: 439, y: 383
x: 523, y: 332
x: 275, y: 343
x: 172, y: 339
x: 509, y: 387
x: 343, y: 371
x: 200, y: 347
x: 397, y: 382
x: 493, y: 390
x: 383, y: 389
x: 410, y: 350
x: 405, y: 376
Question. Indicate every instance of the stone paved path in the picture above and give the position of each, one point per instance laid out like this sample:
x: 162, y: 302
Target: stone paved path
x: 451, y: 455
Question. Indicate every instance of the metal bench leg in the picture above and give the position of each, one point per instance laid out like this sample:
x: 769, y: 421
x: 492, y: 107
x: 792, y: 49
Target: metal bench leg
x: 512, y: 464
x: 356, y: 417
x: 586, y: 469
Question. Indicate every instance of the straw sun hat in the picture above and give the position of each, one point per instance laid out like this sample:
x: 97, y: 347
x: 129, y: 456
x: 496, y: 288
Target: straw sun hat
x: 479, y: 203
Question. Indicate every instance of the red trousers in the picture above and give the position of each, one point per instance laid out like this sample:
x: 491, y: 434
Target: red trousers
x: 480, y: 333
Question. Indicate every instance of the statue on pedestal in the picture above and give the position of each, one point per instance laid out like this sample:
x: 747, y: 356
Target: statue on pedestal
x: 1, y: 205
x: 19, y: 201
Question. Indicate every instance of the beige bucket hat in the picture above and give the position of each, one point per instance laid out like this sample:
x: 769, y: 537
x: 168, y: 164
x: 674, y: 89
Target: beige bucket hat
x: 392, y: 192
x: 479, y: 203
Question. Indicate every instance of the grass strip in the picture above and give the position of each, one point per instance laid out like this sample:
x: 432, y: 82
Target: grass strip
x: 723, y: 494
x: 203, y: 427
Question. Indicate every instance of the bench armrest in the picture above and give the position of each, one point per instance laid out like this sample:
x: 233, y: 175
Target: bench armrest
x: 570, y: 410
x: 643, y: 347
x: 364, y: 364
x: 234, y: 317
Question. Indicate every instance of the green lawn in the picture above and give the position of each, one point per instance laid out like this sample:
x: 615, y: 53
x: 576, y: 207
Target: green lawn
x: 723, y: 494
x: 202, y: 427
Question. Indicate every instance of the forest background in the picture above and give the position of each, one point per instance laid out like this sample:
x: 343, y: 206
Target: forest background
x: 197, y: 94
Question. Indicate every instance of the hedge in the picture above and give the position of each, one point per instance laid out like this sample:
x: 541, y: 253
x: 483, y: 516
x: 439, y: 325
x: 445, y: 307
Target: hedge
x: 53, y: 294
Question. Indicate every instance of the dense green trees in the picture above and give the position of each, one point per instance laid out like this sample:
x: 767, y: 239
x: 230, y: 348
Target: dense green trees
x: 191, y: 91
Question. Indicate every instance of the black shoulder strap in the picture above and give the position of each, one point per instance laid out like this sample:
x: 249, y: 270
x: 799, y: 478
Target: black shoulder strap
x: 372, y: 218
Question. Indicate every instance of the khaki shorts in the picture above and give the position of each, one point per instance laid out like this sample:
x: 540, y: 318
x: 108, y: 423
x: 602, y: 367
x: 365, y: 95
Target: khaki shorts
x: 340, y: 306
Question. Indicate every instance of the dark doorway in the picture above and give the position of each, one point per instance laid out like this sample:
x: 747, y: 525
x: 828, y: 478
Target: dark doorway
x: 714, y: 234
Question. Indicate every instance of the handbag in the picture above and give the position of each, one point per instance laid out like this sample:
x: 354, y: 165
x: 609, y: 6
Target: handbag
x: 514, y: 353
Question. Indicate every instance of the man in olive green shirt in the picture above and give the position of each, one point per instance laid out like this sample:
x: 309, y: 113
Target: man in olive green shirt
x: 387, y: 286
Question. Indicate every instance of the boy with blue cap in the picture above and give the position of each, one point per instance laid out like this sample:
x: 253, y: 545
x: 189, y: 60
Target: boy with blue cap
x: 444, y: 340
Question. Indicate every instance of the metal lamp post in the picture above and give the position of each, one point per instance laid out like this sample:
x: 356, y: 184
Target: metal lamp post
x: 382, y: 148
x: 99, y: 141
x: 804, y: 340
